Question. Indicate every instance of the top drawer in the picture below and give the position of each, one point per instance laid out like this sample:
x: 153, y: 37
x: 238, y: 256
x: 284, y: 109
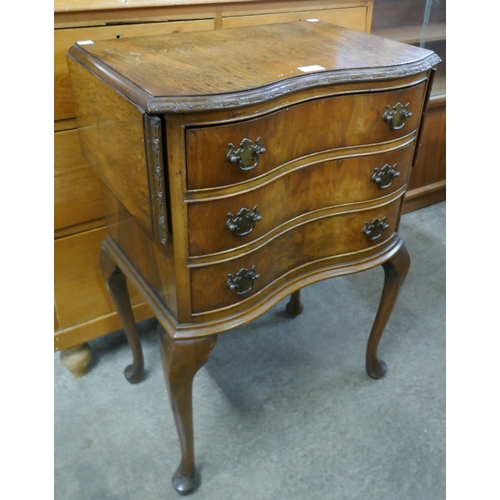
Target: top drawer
x: 296, y: 131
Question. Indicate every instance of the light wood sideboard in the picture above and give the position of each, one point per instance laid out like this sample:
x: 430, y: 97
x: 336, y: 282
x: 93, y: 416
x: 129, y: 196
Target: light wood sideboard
x: 83, y: 309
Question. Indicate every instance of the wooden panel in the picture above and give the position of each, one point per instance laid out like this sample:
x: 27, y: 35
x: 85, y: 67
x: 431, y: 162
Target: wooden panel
x: 427, y: 184
x: 107, y: 118
x: 68, y: 124
x: 74, y: 335
x: 56, y: 321
x: 64, y: 39
x: 87, y: 5
x: 85, y: 14
x: 79, y: 291
x: 431, y: 163
x: 79, y: 228
x: 77, y: 190
x: 424, y: 196
x: 358, y: 120
x: 302, y: 245
x: 263, y: 7
x: 354, y: 18
x: 309, y: 188
x: 413, y: 34
x: 153, y: 260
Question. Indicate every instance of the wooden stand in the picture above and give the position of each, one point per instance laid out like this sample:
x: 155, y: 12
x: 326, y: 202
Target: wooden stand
x: 226, y: 195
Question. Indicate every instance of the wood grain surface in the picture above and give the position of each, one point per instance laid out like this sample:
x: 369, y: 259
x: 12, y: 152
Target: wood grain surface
x: 77, y: 189
x: 219, y: 65
x: 80, y: 292
x: 107, y: 119
x: 78, y: 204
x: 297, y: 131
x: 64, y: 39
x: 353, y: 18
x: 310, y: 243
x: 310, y: 188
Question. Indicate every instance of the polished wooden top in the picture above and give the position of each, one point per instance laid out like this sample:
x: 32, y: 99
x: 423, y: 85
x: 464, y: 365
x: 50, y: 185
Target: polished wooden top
x: 233, y: 67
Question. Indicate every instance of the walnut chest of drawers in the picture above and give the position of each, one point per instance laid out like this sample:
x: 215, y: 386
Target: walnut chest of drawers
x: 240, y: 166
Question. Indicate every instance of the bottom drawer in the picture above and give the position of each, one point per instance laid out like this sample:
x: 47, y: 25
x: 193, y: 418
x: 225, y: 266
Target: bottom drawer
x: 334, y: 235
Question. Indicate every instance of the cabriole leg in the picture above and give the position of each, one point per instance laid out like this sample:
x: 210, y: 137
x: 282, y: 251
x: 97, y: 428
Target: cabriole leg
x: 294, y: 306
x: 116, y: 282
x: 395, y: 270
x: 181, y: 360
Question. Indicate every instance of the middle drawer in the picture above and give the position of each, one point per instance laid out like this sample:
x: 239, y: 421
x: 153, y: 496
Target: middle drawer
x: 222, y: 224
x: 335, y: 239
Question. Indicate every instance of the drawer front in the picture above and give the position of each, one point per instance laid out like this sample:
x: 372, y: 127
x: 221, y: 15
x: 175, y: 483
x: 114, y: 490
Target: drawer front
x: 77, y: 190
x: 319, y: 239
x: 294, y: 132
x: 64, y: 39
x: 80, y: 292
x: 219, y: 225
x: 353, y: 17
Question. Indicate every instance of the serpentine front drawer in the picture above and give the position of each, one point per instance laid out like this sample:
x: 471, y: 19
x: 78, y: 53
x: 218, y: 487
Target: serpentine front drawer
x: 300, y: 193
x: 341, y: 235
x: 234, y: 153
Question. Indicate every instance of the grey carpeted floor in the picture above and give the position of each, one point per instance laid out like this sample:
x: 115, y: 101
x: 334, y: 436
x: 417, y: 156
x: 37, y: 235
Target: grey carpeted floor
x: 283, y: 409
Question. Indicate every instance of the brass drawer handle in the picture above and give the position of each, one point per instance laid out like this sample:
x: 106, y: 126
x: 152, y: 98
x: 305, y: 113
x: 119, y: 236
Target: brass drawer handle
x: 375, y: 228
x: 243, y: 281
x: 247, y: 155
x: 244, y: 221
x: 396, y: 118
x: 384, y: 177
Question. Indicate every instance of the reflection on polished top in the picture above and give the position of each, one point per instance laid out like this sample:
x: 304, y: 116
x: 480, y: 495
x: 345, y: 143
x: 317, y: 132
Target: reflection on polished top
x: 169, y: 72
